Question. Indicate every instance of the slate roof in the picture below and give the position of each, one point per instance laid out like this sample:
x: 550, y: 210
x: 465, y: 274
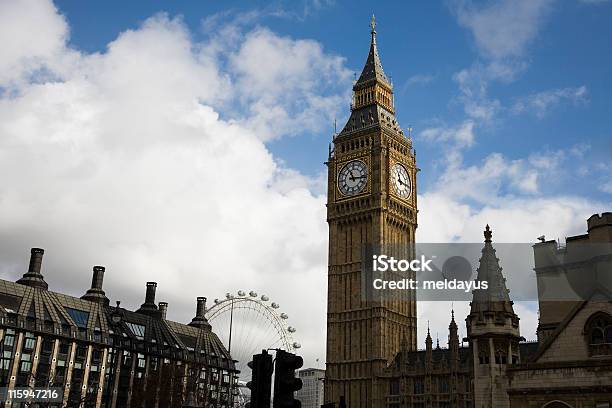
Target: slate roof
x: 41, y: 310
x: 496, y: 297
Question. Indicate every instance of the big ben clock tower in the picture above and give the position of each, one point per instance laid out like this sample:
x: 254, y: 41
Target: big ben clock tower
x: 371, y: 201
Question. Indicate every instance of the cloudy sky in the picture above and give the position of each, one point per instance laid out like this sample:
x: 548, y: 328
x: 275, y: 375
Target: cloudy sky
x: 183, y: 142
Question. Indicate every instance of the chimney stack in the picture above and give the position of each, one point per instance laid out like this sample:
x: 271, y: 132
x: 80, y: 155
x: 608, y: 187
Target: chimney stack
x: 96, y: 293
x: 150, y: 296
x: 200, y: 319
x: 201, y: 307
x: 163, y: 309
x: 33, y: 277
x: 149, y: 307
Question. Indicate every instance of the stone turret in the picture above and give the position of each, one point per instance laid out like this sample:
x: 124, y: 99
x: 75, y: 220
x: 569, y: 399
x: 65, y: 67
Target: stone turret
x: 453, y: 342
x: 600, y: 227
x: 493, y: 331
x: 428, y: 350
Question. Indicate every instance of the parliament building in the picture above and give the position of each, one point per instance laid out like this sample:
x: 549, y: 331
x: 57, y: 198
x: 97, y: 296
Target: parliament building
x: 100, y: 355
x: 372, y: 355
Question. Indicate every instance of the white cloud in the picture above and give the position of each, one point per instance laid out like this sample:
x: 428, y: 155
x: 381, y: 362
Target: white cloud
x: 473, y: 83
x: 34, y: 39
x: 504, y: 28
x: 462, y: 135
x: 606, y: 187
x: 502, y: 31
x: 447, y: 218
x: 419, y: 79
x: 282, y: 81
x: 120, y: 158
x: 541, y: 103
x: 503, y: 192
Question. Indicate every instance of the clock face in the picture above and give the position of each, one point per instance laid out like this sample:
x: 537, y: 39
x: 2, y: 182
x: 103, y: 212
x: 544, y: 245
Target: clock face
x: 353, y: 177
x: 400, y: 181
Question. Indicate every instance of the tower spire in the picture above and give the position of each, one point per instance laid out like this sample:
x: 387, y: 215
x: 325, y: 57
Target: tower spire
x: 373, y: 103
x: 373, y: 70
x: 373, y: 29
x: 496, y: 296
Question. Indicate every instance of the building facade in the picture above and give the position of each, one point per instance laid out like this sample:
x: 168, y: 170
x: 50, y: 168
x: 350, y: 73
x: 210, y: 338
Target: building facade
x: 569, y: 366
x: 372, y: 360
x: 371, y: 201
x: 107, y: 356
x: 311, y: 394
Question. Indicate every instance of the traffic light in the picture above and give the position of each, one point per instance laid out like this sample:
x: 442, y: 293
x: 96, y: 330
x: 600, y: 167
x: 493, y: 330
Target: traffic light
x: 261, y: 380
x: 285, y: 383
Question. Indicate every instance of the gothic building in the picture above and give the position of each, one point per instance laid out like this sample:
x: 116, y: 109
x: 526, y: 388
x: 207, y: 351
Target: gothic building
x: 371, y: 200
x: 372, y: 356
x: 570, y: 365
x: 107, y: 356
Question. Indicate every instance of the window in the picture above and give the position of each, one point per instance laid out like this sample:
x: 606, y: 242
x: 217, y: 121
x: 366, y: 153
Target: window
x: 64, y: 347
x: 483, y: 358
x: 418, y: 386
x: 141, y: 361
x: 80, y: 317
x: 137, y: 329
x: 443, y: 385
x: 599, y: 334
x: 30, y: 341
x: 394, y: 387
x: 9, y: 340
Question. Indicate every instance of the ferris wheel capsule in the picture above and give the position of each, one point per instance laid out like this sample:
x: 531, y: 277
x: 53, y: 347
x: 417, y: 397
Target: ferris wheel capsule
x: 296, y: 345
x: 243, y: 310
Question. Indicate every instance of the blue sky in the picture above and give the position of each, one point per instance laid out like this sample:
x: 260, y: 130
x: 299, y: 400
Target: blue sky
x: 423, y: 46
x: 149, y: 136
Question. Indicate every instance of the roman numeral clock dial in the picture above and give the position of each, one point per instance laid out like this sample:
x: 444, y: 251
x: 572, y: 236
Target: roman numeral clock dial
x: 352, y: 178
x: 400, y: 181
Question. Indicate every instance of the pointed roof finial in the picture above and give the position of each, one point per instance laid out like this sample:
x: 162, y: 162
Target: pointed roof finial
x: 488, y: 234
x: 373, y: 24
x: 373, y: 69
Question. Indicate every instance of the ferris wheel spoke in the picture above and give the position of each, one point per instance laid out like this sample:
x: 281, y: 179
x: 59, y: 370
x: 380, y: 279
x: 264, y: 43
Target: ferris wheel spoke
x: 255, y: 325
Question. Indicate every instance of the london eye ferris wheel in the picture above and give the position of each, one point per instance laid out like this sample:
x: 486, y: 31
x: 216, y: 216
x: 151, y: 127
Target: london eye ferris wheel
x: 246, y: 323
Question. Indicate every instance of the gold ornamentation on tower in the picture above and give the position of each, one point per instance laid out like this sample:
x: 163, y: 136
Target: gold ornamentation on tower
x: 371, y: 201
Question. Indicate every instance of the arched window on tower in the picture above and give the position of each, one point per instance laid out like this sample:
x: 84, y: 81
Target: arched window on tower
x: 500, y: 357
x: 483, y: 357
x: 598, y: 333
